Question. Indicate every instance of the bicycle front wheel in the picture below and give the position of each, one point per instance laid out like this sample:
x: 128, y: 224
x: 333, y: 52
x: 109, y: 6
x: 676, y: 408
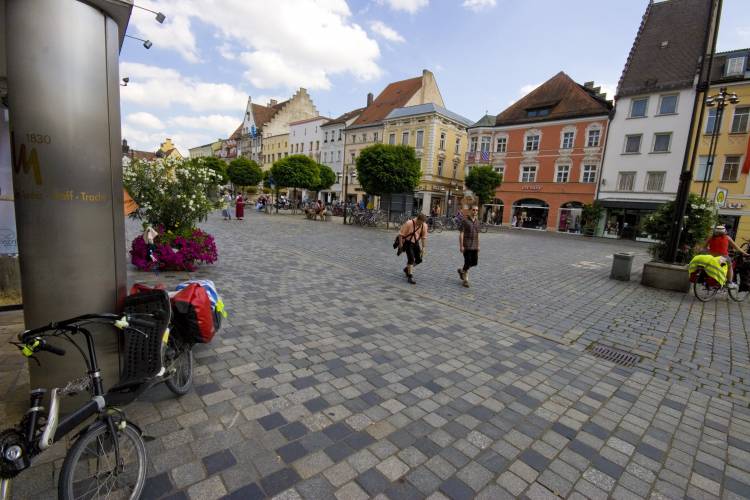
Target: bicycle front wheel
x: 735, y: 294
x: 91, y: 470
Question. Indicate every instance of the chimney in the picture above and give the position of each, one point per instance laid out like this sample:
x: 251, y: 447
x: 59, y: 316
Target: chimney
x: 272, y: 102
x: 369, y: 98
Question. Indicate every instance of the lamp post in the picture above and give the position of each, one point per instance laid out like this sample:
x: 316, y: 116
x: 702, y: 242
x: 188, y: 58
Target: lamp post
x: 346, y: 186
x: 719, y: 101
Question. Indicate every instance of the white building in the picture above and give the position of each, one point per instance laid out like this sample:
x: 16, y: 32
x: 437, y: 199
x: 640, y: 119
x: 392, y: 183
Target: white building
x: 649, y: 132
x: 306, y: 137
x: 333, y: 147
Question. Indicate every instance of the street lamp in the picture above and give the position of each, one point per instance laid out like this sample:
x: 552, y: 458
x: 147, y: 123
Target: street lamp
x: 146, y: 43
x: 719, y: 101
x: 346, y: 185
x: 159, y: 16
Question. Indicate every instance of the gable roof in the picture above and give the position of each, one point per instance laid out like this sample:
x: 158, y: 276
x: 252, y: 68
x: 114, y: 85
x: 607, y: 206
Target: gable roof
x: 395, y: 95
x: 142, y: 155
x: 428, y: 107
x: 667, y: 47
x: 237, y: 133
x: 264, y: 114
x: 345, y: 117
x: 565, y: 98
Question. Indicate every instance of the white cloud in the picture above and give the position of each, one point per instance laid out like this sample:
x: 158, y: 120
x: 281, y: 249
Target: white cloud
x: 145, y: 120
x: 302, y: 44
x: 410, y: 6
x: 223, y: 125
x: 174, y: 34
x: 478, y: 5
x: 155, y: 87
x: 386, y: 32
x: 226, y: 52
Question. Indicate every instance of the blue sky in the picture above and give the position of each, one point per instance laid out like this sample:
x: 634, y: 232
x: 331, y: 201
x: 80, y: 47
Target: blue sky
x: 209, y: 55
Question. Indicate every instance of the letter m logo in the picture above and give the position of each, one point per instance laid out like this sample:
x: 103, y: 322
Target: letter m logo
x: 22, y: 162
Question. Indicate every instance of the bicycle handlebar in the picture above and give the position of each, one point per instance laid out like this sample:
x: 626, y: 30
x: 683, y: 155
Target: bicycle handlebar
x: 68, y: 324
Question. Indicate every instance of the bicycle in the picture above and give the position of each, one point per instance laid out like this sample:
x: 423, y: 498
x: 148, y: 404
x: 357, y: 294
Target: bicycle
x: 108, y: 457
x: 706, y: 288
x: 435, y: 224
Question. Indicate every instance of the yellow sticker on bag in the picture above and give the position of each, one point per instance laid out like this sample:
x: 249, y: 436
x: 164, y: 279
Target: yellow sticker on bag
x: 165, y: 338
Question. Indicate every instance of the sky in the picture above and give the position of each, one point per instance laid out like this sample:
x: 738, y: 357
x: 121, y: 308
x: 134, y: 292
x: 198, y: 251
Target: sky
x: 210, y: 55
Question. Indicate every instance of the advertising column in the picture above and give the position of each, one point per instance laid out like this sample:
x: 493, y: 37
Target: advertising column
x: 65, y: 140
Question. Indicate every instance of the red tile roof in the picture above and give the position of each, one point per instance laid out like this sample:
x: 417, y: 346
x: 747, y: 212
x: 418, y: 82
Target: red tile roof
x: 346, y: 116
x: 395, y: 95
x: 264, y: 114
x: 566, y: 98
x: 142, y: 155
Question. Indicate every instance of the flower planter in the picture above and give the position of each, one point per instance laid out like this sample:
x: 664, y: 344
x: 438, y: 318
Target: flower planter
x: 174, y: 252
x: 666, y: 276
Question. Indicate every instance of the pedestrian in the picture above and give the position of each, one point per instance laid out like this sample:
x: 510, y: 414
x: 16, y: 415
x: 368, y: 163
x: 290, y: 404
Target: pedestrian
x: 514, y: 221
x: 412, y: 240
x: 239, y: 207
x: 225, y: 204
x: 468, y: 244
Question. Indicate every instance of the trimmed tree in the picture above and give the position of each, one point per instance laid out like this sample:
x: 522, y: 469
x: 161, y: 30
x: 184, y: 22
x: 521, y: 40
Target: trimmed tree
x: 385, y: 169
x: 483, y: 181
x: 296, y: 172
x: 327, y: 178
x: 244, y: 172
x: 700, y: 218
x: 218, y: 166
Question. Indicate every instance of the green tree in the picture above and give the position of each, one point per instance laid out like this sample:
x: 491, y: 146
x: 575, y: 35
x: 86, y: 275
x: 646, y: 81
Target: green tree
x: 327, y: 178
x: 700, y: 218
x: 297, y: 172
x: 244, y: 172
x: 483, y: 181
x: 590, y: 216
x: 383, y: 169
x: 218, y: 166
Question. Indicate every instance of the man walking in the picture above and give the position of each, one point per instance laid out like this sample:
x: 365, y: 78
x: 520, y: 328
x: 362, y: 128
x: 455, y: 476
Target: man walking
x: 412, y: 240
x: 468, y: 244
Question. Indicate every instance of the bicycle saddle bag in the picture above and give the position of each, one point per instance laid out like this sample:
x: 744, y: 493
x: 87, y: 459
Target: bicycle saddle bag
x: 193, y: 314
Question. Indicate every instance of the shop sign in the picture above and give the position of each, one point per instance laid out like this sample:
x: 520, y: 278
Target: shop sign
x: 735, y: 205
x: 531, y: 187
x: 720, y: 198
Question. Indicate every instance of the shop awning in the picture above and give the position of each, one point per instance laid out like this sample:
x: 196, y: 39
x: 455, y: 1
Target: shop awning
x: 633, y: 204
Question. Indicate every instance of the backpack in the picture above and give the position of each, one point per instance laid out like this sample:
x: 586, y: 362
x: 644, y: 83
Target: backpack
x: 193, y: 314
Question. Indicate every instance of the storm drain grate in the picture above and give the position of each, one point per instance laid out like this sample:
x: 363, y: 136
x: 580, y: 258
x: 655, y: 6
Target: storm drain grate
x: 622, y: 358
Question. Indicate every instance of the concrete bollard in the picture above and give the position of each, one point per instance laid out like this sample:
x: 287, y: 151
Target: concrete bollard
x: 622, y: 264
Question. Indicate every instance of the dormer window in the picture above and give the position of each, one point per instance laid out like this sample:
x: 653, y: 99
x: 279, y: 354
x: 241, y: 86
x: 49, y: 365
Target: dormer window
x: 531, y: 113
x: 735, y: 66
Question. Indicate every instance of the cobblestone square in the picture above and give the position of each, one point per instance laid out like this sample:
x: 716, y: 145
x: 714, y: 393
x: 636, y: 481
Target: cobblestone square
x: 334, y: 378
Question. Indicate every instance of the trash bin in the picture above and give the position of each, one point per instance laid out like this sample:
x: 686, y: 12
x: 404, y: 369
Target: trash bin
x: 622, y: 264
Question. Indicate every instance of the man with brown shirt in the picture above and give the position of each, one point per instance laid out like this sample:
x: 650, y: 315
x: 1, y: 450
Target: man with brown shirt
x: 468, y: 244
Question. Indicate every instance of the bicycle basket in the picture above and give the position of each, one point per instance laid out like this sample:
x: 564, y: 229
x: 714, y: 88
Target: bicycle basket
x: 143, y: 354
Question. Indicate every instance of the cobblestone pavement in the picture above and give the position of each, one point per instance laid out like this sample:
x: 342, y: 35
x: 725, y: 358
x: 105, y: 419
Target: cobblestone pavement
x: 333, y: 378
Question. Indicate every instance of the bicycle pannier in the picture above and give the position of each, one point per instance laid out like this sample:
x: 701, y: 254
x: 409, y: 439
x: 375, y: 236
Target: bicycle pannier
x: 193, y: 318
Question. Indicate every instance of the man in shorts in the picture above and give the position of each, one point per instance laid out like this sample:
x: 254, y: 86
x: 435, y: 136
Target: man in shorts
x: 468, y: 243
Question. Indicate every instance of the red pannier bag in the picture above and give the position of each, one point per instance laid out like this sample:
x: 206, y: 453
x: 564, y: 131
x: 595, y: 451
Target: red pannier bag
x: 193, y: 314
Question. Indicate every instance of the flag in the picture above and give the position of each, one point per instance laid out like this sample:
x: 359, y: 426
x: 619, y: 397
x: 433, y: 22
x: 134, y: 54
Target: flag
x: 485, y: 156
x: 252, y: 131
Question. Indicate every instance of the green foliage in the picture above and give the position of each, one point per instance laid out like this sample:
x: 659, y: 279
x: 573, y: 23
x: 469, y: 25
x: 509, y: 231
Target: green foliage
x: 591, y: 214
x: 386, y: 168
x: 169, y: 192
x: 267, y: 179
x: 218, y: 166
x: 483, y: 181
x: 700, y: 218
x: 296, y: 171
x: 327, y: 178
x: 244, y: 172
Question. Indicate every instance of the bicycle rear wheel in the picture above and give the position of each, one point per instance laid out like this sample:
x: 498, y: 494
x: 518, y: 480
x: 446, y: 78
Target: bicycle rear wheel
x: 703, y: 292
x: 181, y: 360
x: 91, y: 471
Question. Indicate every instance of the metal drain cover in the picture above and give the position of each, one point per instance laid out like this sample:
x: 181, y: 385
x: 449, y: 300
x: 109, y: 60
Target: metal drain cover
x: 622, y: 358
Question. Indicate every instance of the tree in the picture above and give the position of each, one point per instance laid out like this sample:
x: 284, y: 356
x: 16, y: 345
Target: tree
x: 218, y: 166
x: 590, y: 216
x: 327, y: 178
x: 700, y: 219
x: 383, y: 169
x: 483, y: 181
x: 244, y: 172
x: 296, y: 171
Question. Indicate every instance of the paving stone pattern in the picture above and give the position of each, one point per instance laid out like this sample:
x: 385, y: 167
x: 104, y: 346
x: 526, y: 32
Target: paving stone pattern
x: 333, y: 378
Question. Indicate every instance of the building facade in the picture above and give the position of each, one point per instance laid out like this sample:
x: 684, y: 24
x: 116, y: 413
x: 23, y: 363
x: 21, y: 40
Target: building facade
x: 306, y: 137
x: 650, y: 129
x: 275, y: 131
x: 368, y: 128
x: 726, y: 179
x: 440, y: 141
x: 333, y: 147
x: 275, y: 147
x: 548, y: 147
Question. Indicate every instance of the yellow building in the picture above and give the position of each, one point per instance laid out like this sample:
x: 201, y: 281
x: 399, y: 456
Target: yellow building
x: 168, y: 150
x: 727, y: 181
x: 368, y: 128
x: 274, y: 148
x: 440, y: 139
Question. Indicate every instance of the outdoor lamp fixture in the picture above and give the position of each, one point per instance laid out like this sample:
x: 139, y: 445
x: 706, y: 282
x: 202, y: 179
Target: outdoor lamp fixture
x: 125, y: 82
x: 719, y: 101
x: 159, y: 16
x: 146, y: 43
